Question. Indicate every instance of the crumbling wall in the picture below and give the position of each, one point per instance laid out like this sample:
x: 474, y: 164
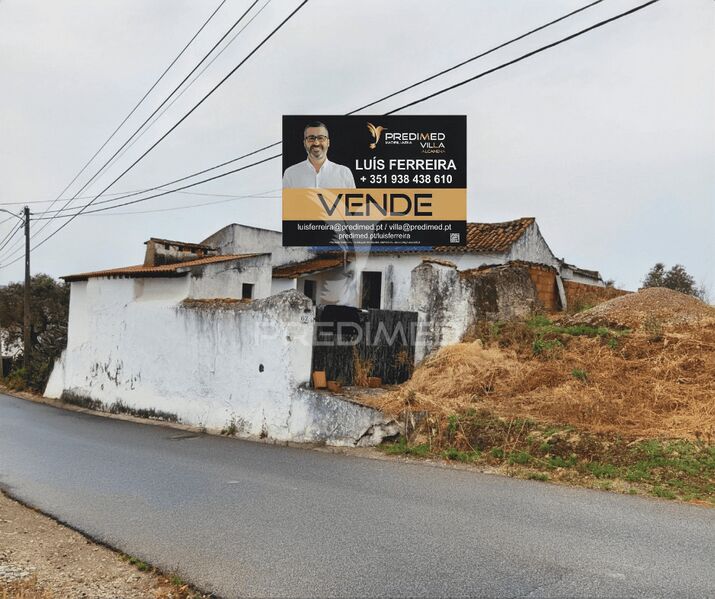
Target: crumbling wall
x: 580, y: 295
x: 231, y: 364
x: 438, y: 297
x: 449, y: 302
x: 500, y: 293
x: 160, y: 251
x: 544, y: 279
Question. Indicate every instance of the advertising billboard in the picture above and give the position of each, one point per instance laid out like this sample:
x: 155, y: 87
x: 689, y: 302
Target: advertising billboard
x: 374, y: 180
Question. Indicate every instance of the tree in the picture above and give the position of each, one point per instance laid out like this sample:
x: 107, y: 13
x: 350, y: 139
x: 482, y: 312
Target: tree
x: 655, y: 276
x: 677, y: 278
x: 49, y: 307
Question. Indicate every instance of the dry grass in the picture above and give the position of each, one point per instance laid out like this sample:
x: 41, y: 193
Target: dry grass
x: 639, y: 384
x: 24, y: 589
x: 362, y: 368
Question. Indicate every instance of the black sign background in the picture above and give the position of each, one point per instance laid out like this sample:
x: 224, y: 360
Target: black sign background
x: 350, y: 142
x: 350, y: 139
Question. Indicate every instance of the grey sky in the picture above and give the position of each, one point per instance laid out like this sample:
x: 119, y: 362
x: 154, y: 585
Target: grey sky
x: 608, y: 140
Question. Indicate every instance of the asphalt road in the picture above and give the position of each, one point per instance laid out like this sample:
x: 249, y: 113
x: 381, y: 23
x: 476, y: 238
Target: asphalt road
x: 249, y: 519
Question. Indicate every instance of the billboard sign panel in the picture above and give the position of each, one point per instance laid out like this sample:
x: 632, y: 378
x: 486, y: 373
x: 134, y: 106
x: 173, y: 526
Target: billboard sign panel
x: 374, y: 180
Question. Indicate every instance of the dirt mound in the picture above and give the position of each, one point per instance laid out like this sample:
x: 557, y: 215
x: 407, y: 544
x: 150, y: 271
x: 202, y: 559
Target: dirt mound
x: 633, y: 384
x: 650, y: 308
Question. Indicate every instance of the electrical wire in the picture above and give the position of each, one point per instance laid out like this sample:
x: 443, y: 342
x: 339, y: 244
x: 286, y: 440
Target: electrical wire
x: 485, y: 53
x: 158, y: 195
x: 165, y: 135
x: 258, y: 196
x: 525, y: 56
x: 188, y: 86
x: 136, y: 106
x: 11, y: 234
x: 104, y: 166
x: 425, y: 98
x: 481, y: 55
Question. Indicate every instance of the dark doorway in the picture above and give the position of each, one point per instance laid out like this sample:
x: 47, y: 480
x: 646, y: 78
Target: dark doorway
x: 309, y: 289
x: 247, y: 291
x: 371, y: 290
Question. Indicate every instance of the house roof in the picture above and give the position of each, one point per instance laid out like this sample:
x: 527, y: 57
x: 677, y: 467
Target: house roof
x: 165, y: 270
x: 491, y: 237
x: 591, y: 274
x: 291, y: 271
x: 481, y: 237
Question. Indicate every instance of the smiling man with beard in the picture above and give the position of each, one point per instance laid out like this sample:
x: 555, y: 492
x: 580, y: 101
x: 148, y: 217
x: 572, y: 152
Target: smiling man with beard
x: 317, y: 171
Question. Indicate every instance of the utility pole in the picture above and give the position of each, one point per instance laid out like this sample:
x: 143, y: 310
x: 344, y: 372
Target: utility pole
x: 26, y: 339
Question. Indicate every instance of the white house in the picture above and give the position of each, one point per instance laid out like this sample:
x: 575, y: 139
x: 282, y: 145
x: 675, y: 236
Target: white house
x: 220, y: 333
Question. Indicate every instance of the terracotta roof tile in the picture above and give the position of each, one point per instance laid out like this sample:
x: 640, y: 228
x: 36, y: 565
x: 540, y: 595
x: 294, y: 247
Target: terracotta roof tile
x: 140, y: 270
x: 491, y: 237
x: 481, y: 237
x: 291, y: 271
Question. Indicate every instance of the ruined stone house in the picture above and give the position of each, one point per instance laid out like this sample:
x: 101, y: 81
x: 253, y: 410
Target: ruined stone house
x: 220, y: 333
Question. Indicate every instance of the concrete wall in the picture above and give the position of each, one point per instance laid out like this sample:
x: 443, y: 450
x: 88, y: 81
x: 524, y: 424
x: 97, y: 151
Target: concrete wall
x: 278, y: 285
x: 532, y: 247
x: 450, y: 302
x: 226, y: 279
x: 442, y: 307
x: 241, y: 239
x: 210, y: 362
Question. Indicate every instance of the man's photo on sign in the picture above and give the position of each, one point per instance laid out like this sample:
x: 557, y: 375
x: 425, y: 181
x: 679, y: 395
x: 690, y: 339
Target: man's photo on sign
x: 317, y: 171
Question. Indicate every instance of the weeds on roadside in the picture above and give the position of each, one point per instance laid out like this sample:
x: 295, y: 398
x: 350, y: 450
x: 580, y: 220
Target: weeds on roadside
x: 678, y: 469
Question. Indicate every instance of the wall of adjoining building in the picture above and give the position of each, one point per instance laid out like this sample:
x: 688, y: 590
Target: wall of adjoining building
x: 242, y: 239
x: 581, y: 295
x: 212, y: 363
x: 544, y: 278
x: 226, y: 279
x: 532, y: 247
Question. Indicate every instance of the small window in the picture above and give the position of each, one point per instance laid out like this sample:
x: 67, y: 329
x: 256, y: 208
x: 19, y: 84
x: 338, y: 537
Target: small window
x: 247, y: 291
x: 371, y: 289
x: 309, y: 289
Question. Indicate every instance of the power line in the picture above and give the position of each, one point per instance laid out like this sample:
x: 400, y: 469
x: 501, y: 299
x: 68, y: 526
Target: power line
x: 102, y: 168
x: 229, y: 198
x: 129, y: 194
x: 188, y: 86
x: 525, y: 56
x: 158, y: 195
x: 181, y: 120
x: 449, y: 88
x: 481, y: 55
x: 133, y: 110
x: 11, y: 234
x: 14, y: 249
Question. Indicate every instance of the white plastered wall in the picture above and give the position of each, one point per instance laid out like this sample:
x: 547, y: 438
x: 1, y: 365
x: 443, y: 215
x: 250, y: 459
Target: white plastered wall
x: 209, y: 363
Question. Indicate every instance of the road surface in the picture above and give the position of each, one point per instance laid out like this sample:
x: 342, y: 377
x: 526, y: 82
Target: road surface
x: 249, y: 519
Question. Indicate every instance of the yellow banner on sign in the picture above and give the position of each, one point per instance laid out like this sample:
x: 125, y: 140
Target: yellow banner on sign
x: 375, y: 204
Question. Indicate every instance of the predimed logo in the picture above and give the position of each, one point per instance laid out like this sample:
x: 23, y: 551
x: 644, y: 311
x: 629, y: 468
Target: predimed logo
x: 430, y: 142
x: 375, y: 131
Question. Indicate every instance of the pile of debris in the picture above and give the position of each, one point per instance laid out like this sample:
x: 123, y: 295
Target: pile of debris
x: 651, y: 307
x: 656, y: 379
